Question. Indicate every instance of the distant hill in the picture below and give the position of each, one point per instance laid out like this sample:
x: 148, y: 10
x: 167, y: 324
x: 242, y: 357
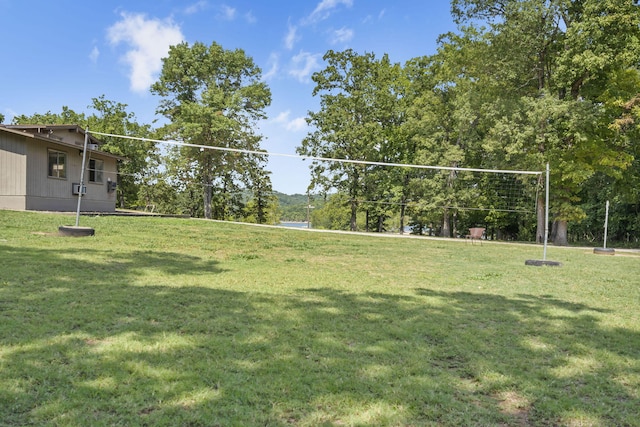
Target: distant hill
x: 294, y: 206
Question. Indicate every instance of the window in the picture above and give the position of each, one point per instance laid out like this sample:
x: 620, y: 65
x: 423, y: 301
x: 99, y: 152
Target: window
x: 57, y: 164
x: 95, y: 170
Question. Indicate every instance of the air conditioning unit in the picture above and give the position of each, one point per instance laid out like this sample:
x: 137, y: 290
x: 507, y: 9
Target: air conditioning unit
x: 75, y: 189
x: 92, y: 146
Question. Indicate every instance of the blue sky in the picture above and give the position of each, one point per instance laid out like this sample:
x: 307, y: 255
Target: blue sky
x: 66, y: 52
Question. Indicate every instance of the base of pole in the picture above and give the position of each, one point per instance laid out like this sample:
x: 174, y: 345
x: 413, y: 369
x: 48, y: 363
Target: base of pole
x: 72, y: 231
x: 542, y: 263
x: 604, y: 251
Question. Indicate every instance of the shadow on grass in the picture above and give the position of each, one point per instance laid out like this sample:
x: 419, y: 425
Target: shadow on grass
x: 82, y: 344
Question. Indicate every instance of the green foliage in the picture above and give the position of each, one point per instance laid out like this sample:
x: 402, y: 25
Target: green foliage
x: 66, y: 117
x: 360, y: 114
x: 559, y: 72
x: 334, y: 215
x: 214, y: 97
x: 113, y: 118
x: 295, y: 207
x: 262, y: 210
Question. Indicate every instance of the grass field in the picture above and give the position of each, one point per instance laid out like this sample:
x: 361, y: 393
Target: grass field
x: 165, y: 322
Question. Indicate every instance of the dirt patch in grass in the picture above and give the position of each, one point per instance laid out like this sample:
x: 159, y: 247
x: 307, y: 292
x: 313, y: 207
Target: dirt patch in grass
x: 514, y: 405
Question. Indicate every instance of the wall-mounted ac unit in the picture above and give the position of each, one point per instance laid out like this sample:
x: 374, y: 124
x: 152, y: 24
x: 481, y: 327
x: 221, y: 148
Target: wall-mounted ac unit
x: 75, y: 189
x: 92, y: 146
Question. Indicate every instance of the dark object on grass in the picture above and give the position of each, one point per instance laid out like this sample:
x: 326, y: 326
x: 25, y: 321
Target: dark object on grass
x: 541, y: 263
x: 604, y: 251
x: 71, y: 231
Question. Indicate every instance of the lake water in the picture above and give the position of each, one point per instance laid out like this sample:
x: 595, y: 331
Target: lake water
x: 294, y: 224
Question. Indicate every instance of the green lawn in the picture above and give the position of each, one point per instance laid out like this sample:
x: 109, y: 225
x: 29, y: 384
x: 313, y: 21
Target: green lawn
x: 165, y: 321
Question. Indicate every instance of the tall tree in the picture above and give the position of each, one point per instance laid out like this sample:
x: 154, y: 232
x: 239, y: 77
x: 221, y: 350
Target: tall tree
x: 359, y: 97
x: 214, y: 97
x: 442, y: 129
x: 555, y: 61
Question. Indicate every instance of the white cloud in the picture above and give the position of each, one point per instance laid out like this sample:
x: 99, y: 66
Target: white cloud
x: 303, y: 64
x: 343, y: 35
x: 282, y: 117
x: 297, y: 124
x: 293, y: 125
x: 94, y: 55
x: 369, y: 19
x: 227, y: 13
x: 148, y: 41
x: 250, y: 17
x: 291, y: 37
x: 324, y: 9
x: 273, y: 67
x: 195, y: 7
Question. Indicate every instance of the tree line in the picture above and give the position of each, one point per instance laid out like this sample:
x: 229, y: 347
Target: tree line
x: 520, y: 84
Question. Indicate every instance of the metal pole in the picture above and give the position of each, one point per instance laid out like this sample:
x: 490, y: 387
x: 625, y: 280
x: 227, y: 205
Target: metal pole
x: 308, y: 210
x: 84, y: 157
x: 606, y: 223
x: 546, y: 217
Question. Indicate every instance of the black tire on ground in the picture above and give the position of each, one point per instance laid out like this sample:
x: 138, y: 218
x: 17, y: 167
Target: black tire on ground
x: 604, y: 251
x: 541, y: 263
x: 71, y: 231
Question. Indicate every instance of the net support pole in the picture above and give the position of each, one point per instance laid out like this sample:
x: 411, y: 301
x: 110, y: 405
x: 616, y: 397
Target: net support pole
x: 543, y: 261
x: 604, y: 250
x: 606, y: 223
x: 84, y: 158
x: 546, y: 216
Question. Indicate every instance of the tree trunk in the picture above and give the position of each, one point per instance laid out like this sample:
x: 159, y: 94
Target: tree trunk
x: 121, y: 199
x: 207, y: 190
x: 403, y: 204
x: 402, y: 211
x: 206, y: 198
x: 366, y: 221
x: 354, y: 211
x: 446, y: 226
x: 455, y: 224
x: 554, y: 231
x: 540, y: 214
x: 560, y: 238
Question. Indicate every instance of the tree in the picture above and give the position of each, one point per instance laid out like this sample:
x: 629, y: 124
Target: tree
x: 262, y: 208
x: 66, y: 117
x: 214, y: 97
x: 555, y: 62
x: 441, y: 127
x: 335, y: 213
x: 360, y: 97
x: 113, y: 118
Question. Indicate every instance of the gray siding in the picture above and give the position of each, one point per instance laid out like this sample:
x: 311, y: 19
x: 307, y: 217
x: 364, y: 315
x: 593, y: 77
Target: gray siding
x: 13, y: 177
x: 25, y: 184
